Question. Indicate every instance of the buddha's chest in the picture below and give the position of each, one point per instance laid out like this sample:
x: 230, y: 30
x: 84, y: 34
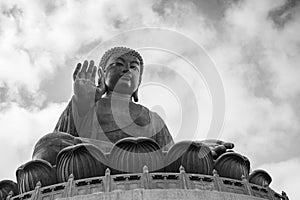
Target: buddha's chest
x: 121, y: 117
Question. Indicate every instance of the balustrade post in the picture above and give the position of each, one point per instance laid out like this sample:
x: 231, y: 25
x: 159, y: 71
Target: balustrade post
x: 247, y: 185
x: 107, y: 181
x: 217, y: 181
x: 69, y: 186
x: 36, y: 192
x: 183, y: 178
x: 146, y: 182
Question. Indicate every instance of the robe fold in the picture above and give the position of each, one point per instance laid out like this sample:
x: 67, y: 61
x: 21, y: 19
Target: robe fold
x: 103, y: 125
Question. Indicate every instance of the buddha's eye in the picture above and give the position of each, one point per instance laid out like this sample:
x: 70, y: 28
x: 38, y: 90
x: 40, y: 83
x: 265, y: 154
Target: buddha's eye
x: 112, y: 64
x: 134, y: 67
x: 116, y: 64
x: 119, y: 63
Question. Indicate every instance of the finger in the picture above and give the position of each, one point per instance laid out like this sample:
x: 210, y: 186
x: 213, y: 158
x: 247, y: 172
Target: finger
x: 90, y: 70
x: 91, y: 66
x: 76, y: 71
x: 94, y: 74
x: 82, y: 73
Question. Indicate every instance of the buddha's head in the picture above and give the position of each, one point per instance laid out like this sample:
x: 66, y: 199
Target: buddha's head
x: 123, y: 69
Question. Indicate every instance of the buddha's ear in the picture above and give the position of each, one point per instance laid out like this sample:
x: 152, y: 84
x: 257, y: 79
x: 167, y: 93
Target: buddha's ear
x: 102, y: 86
x: 100, y: 72
x: 135, y: 96
x: 101, y: 79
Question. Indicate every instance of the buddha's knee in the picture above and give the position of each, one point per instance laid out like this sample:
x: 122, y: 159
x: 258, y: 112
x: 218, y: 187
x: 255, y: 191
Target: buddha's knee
x: 51, y: 144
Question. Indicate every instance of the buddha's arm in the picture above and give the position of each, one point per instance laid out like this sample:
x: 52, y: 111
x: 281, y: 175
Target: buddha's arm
x: 163, y: 137
x: 79, y: 109
x: 167, y: 138
x: 65, y: 122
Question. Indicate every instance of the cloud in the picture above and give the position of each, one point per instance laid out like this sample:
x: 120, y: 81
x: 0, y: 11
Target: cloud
x: 284, y: 13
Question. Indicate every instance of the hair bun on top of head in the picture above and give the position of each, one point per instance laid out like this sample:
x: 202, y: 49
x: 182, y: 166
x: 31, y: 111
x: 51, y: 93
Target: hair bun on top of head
x: 119, y: 51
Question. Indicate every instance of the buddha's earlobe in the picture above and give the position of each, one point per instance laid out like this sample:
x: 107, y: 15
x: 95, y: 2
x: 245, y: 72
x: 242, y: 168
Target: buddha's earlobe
x: 135, y: 96
x: 102, y: 85
x: 98, y: 95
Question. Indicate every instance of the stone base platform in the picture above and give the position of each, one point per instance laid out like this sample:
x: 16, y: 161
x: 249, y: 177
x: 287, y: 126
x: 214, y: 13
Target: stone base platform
x: 162, y: 194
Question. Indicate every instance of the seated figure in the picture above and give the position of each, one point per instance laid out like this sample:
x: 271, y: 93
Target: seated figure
x: 106, y: 113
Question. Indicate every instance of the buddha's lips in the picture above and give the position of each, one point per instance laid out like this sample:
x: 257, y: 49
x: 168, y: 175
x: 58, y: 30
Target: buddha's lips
x: 126, y: 76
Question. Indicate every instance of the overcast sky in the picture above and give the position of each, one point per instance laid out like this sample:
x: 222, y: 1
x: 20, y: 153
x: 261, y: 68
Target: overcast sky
x: 254, y: 44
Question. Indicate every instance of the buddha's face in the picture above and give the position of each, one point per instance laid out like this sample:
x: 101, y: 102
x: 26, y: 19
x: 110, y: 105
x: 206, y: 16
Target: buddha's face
x: 122, y: 74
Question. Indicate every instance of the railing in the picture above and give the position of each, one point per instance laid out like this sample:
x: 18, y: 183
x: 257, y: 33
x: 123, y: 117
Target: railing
x: 147, y: 180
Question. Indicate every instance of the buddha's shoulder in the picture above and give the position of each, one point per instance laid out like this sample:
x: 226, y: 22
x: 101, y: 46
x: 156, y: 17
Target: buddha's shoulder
x: 107, y: 103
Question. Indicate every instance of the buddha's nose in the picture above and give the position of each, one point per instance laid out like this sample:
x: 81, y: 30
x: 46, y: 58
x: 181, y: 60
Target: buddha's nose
x: 126, y: 68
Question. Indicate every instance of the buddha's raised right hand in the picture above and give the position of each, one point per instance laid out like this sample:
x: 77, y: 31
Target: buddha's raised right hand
x: 84, y: 80
x: 84, y: 85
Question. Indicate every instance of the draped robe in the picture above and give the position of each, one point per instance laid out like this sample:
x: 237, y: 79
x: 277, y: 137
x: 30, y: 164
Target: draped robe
x: 103, y: 125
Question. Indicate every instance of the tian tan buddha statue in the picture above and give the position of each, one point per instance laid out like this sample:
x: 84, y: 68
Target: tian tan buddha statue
x: 104, y: 131
x: 106, y: 113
